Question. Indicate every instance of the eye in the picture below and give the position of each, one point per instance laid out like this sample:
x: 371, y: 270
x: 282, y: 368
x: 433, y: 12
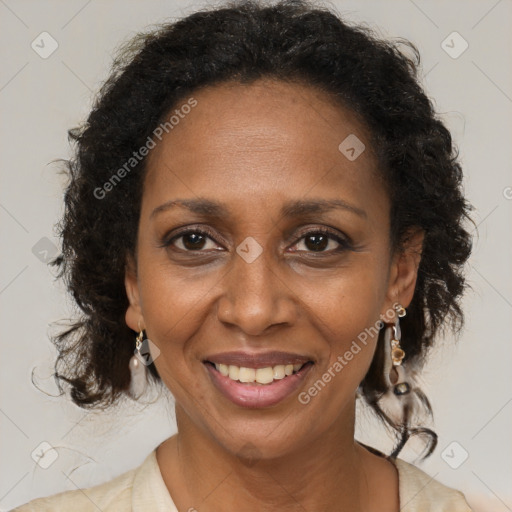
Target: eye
x: 319, y: 240
x: 192, y: 240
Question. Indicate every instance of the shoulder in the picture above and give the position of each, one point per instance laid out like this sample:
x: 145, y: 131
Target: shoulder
x: 112, y: 496
x: 141, y: 489
x: 419, y: 492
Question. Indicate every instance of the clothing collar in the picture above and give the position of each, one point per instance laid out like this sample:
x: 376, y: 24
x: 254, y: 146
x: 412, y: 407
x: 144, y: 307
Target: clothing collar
x: 149, y: 491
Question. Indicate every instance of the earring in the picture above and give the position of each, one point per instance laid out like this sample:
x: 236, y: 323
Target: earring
x: 137, y: 368
x: 395, y: 371
x: 403, y: 404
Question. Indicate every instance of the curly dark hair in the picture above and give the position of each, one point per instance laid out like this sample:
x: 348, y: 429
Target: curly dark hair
x: 292, y: 41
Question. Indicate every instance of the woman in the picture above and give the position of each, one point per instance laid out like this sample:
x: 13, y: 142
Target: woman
x: 265, y: 215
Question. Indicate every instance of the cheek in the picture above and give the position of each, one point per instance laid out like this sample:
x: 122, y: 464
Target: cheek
x: 346, y: 311
x: 350, y: 337
x: 348, y: 302
x: 174, y: 309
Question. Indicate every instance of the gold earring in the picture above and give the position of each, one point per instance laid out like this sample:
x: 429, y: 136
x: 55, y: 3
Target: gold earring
x: 139, y: 339
x: 397, y: 373
x: 397, y: 353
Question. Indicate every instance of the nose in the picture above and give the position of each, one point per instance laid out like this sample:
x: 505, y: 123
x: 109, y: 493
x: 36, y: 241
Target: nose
x: 256, y: 296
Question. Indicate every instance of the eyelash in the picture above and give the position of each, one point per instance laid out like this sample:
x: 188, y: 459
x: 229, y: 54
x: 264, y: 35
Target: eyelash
x: 343, y: 243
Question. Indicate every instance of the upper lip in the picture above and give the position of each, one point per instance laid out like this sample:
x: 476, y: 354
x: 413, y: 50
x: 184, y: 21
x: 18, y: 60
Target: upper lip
x: 257, y: 360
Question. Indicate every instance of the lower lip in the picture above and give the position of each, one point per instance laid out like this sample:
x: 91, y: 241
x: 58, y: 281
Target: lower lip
x: 257, y: 395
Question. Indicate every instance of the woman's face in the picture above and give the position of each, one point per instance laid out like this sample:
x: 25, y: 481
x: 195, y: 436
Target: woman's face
x: 255, y: 171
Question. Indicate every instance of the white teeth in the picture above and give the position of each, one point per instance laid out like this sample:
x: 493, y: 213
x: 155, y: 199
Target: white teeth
x: 247, y: 374
x: 260, y: 375
x: 279, y: 372
x: 233, y: 372
x: 264, y: 375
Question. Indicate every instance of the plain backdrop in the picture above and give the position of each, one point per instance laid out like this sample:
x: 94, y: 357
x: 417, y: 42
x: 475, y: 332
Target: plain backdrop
x: 468, y: 383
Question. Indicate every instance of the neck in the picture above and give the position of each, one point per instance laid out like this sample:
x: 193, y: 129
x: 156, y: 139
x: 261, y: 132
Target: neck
x: 326, y: 473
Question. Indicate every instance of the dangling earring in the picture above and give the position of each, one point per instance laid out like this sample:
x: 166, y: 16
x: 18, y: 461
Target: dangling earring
x: 396, y: 374
x: 403, y: 403
x: 137, y: 368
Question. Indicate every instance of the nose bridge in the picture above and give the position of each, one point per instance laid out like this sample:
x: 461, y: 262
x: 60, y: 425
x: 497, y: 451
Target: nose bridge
x: 254, y: 297
x: 253, y: 276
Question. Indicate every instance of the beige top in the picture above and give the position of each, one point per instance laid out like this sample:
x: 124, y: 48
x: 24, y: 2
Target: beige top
x: 143, y: 490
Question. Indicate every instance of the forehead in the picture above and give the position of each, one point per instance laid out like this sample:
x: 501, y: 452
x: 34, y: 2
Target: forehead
x: 266, y: 140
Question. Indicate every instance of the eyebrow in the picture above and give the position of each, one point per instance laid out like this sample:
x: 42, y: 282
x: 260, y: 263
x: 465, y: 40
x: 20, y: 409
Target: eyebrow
x: 302, y: 207
x: 295, y: 208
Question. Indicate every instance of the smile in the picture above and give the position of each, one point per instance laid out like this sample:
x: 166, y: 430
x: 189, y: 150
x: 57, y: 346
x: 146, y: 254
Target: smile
x: 265, y: 375
x: 257, y: 387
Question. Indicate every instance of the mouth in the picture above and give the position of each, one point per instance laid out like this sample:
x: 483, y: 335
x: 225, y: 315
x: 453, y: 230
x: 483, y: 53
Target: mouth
x: 257, y: 387
x: 259, y: 376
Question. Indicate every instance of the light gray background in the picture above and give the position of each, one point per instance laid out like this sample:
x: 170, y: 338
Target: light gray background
x: 468, y: 383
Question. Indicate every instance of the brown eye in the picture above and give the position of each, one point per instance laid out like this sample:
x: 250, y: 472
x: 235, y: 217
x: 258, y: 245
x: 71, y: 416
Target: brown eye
x: 193, y: 241
x: 190, y: 241
x: 316, y: 242
x: 321, y: 241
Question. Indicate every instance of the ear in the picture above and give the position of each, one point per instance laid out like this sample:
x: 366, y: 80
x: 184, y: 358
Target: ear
x: 133, y: 317
x: 404, y: 269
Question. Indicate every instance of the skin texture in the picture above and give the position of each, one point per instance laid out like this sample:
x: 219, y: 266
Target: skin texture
x: 253, y: 148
